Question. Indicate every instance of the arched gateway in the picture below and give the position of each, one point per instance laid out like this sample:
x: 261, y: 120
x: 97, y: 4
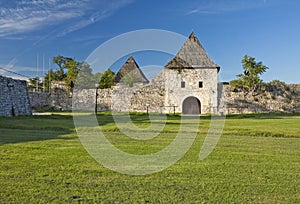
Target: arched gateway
x: 191, y: 106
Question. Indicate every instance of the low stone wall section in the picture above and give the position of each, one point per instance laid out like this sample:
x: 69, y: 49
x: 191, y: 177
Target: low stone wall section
x: 14, y: 98
x: 271, y: 98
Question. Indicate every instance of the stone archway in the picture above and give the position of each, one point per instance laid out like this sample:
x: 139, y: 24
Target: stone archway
x: 191, y: 106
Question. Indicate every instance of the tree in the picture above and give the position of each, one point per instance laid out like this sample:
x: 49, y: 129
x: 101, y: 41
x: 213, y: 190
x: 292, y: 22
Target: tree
x: 60, y: 61
x: 85, y: 79
x: 130, y: 78
x: 59, y: 75
x: 250, y: 80
x: 106, y: 79
x: 277, y: 82
x: 35, y: 84
x: 72, y: 71
x: 50, y: 76
x: 71, y: 67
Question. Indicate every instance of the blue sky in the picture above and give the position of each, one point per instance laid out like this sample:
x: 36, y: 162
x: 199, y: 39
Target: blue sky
x: 268, y: 30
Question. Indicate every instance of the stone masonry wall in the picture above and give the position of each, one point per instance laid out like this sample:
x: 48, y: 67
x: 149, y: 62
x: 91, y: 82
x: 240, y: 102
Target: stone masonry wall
x: 85, y: 99
x: 273, y: 98
x: 140, y: 98
x: 57, y: 99
x: 40, y: 100
x: 207, y: 94
x: 14, y: 99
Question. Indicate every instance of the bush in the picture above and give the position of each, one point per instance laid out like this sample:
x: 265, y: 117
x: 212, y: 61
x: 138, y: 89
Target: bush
x: 277, y: 82
x: 236, y: 84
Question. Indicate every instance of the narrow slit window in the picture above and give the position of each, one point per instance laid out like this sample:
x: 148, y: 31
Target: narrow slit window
x: 183, y: 84
x: 200, y: 84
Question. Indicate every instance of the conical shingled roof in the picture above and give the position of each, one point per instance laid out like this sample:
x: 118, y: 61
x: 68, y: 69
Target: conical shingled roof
x: 131, y: 68
x: 192, y: 55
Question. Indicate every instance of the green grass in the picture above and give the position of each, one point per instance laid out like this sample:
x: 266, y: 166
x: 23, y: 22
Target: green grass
x: 257, y: 160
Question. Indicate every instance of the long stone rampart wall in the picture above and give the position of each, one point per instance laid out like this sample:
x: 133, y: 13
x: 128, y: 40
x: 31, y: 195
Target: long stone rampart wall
x: 151, y: 97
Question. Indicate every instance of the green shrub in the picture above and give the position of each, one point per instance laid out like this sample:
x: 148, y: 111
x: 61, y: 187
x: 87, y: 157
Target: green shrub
x: 236, y: 84
x: 277, y: 82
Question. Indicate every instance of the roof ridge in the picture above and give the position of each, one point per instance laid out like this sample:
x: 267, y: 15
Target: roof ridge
x: 192, y: 55
x: 129, y: 67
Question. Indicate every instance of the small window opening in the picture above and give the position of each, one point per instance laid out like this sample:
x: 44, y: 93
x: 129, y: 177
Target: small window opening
x: 200, y: 84
x: 183, y: 84
x: 13, y: 111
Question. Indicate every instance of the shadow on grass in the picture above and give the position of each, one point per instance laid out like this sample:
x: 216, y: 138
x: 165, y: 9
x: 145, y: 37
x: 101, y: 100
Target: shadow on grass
x: 35, y: 128
x: 107, y: 118
x: 45, y: 127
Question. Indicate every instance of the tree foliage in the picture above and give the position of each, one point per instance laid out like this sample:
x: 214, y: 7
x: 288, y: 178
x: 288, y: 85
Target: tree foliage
x: 277, y: 82
x: 130, y: 78
x: 50, y: 76
x: 60, y: 62
x: 250, y: 79
x: 35, y: 84
x: 106, y: 79
x: 74, y: 73
x: 85, y: 78
x: 71, y: 74
x: 71, y: 67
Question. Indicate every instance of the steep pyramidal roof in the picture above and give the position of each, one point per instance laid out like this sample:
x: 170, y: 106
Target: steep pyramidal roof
x: 192, y: 55
x: 131, y: 68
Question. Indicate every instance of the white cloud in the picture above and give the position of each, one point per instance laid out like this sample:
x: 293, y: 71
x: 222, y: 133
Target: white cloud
x: 28, y: 15
x: 105, y: 10
x: 217, y: 6
x: 15, y: 68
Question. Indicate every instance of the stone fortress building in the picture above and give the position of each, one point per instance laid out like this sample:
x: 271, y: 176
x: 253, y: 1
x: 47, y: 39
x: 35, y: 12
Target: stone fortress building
x: 188, y: 84
x: 192, y: 80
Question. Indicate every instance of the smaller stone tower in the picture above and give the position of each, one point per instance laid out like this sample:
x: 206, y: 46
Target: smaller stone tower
x: 131, y: 73
x: 192, y: 80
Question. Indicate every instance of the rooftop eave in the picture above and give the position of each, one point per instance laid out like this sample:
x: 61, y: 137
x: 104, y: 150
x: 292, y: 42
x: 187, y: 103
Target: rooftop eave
x: 194, y: 67
x: 206, y: 67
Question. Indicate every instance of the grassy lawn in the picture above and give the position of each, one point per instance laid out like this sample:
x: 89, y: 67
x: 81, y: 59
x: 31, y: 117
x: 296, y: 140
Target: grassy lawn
x: 257, y: 160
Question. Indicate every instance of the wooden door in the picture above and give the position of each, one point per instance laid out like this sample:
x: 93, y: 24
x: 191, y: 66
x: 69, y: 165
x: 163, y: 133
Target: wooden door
x: 191, y: 106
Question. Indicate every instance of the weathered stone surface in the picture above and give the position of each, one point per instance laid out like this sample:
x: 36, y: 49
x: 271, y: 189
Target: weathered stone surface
x: 57, y: 99
x: 139, y: 98
x: 271, y: 98
x: 159, y: 96
x: 207, y: 94
x: 14, y: 99
x: 40, y: 100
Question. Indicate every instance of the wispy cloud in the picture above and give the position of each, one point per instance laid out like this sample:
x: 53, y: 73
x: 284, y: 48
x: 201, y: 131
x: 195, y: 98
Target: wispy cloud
x: 105, y: 10
x: 218, y: 6
x: 31, y: 15
x: 13, y: 67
